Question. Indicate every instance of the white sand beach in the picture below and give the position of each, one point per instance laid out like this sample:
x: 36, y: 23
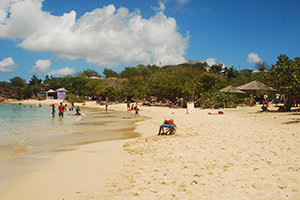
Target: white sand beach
x: 242, y: 154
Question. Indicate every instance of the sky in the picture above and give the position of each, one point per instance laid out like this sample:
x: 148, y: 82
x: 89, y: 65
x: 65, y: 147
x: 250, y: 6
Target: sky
x: 64, y: 37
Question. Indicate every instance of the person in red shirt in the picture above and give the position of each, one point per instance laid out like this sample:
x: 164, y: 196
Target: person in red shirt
x: 61, y: 109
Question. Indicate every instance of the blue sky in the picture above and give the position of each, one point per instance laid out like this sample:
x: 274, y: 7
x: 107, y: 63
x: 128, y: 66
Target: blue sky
x: 58, y: 38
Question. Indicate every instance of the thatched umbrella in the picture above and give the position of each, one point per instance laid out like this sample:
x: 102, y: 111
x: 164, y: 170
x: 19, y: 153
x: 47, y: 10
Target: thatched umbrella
x: 255, y: 86
x: 232, y: 90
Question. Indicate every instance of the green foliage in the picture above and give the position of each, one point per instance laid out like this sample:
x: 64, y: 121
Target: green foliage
x: 231, y: 72
x: 47, y: 79
x: 227, y: 100
x: 4, y: 84
x: 35, y: 85
x: 216, y: 68
x: 88, y: 73
x: 110, y: 92
x: 73, y: 98
x: 184, y: 80
x: 17, y: 81
x: 27, y: 93
x: 245, y: 76
x: 110, y: 73
x: 35, y: 80
x: 286, y: 74
x: 140, y: 70
x: 261, y: 66
x: 19, y: 92
x: 91, y: 88
x: 208, y: 99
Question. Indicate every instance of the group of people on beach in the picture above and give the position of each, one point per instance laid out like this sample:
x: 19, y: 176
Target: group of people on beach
x: 133, y: 107
x: 62, y: 108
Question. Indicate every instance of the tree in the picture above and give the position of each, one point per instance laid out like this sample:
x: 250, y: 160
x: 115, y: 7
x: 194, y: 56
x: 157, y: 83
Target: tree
x: 231, y: 72
x: 262, y: 66
x: 4, y: 84
x: 27, y: 93
x: 47, y: 79
x: 88, y: 73
x: 129, y: 72
x: 216, y: 68
x: 285, y: 75
x: 110, y: 73
x: 245, y: 72
x: 35, y: 80
x: 35, y: 84
x: 17, y: 81
x: 110, y: 92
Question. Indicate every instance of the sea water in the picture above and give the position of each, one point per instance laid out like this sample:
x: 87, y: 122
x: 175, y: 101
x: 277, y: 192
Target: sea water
x: 29, y: 135
x: 22, y: 126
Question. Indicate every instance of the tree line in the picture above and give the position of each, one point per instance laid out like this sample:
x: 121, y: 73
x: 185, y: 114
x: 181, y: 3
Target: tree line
x: 189, y: 81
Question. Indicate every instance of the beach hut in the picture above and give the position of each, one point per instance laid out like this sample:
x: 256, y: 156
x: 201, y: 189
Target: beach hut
x: 232, y: 90
x: 255, y: 86
x: 61, y: 93
x: 51, y: 94
x: 42, y: 96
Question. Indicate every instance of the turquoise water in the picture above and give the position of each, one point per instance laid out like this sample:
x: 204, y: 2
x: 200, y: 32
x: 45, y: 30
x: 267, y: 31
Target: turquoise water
x: 23, y: 126
x: 29, y: 135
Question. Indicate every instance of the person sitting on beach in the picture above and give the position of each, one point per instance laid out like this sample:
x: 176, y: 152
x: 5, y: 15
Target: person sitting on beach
x: 77, y: 111
x: 170, y: 127
x: 215, y: 106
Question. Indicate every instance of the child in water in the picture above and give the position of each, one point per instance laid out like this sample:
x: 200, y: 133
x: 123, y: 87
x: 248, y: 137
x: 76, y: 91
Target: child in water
x: 136, y: 111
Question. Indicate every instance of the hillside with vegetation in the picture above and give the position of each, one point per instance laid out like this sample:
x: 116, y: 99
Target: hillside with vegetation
x: 190, y: 81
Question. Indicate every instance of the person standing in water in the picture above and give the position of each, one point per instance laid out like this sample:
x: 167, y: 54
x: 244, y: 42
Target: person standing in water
x: 136, y: 111
x: 61, y: 109
x: 53, y: 110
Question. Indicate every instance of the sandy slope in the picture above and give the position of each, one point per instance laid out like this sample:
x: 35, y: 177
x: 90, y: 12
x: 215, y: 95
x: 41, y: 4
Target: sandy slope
x: 244, y: 154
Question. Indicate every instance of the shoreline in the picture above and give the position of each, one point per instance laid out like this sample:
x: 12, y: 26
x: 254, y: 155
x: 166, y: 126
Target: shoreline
x: 43, y: 157
x: 243, y: 154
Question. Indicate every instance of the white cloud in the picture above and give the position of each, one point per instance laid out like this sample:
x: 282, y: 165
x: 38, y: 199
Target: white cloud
x: 41, y: 67
x: 181, y: 2
x: 62, y: 72
x: 253, y: 58
x: 211, y: 61
x: 8, y: 65
x: 161, y: 7
x: 106, y: 36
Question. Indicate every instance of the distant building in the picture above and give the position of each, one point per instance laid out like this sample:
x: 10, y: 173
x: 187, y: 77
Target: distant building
x: 59, y: 93
x: 258, y: 71
x: 95, y: 77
